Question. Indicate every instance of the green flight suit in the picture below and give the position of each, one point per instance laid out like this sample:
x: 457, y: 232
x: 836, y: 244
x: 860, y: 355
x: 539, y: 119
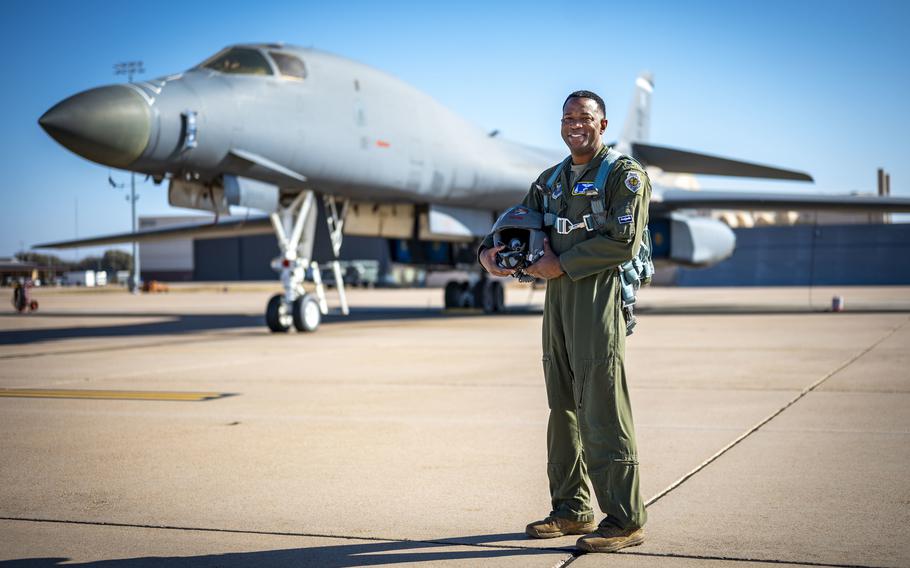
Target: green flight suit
x: 590, y: 430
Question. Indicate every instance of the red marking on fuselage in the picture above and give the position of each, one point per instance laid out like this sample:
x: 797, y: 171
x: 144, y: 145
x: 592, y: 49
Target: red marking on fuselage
x: 382, y: 144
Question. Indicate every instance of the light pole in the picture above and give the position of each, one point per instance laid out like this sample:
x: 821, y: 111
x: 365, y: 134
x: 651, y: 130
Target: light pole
x: 129, y: 68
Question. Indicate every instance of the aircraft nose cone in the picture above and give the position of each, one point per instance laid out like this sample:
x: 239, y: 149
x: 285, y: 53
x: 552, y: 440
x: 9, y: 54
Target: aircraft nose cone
x: 109, y: 125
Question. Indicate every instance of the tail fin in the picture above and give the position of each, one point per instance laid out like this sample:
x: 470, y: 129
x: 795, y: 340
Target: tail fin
x: 636, y: 135
x: 638, y: 121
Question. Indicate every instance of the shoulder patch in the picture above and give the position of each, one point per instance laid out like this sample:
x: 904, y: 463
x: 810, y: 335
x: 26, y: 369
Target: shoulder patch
x: 633, y: 181
x: 558, y: 191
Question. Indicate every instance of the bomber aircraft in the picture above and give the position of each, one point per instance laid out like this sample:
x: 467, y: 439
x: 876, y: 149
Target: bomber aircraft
x: 279, y: 129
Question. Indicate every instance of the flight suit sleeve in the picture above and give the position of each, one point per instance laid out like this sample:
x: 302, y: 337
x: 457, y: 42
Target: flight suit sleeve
x: 620, y: 238
x: 532, y: 201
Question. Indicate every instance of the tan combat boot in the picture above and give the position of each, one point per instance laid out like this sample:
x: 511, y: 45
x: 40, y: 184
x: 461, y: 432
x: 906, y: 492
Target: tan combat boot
x: 552, y: 527
x: 608, y: 538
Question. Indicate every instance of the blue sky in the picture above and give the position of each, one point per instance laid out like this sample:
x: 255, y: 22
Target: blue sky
x: 819, y: 86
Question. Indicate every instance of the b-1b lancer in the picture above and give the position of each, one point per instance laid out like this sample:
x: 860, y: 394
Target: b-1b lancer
x: 279, y: 129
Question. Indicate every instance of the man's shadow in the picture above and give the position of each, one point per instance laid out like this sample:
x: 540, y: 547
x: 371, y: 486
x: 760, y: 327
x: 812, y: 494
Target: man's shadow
x: 379, y: 553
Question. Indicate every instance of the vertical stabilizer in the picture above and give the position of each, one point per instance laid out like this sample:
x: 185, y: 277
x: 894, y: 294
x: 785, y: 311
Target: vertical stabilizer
x: 638, y: 122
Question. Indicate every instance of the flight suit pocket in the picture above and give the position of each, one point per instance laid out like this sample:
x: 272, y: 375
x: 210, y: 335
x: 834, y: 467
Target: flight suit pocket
x: 559, y: 385
x: 578, y: 389
x: 596, y: 396
x: 621, y: 224
x: 621, y: 494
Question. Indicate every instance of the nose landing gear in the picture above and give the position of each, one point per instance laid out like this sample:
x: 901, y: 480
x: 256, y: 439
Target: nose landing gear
x: 295, y: 227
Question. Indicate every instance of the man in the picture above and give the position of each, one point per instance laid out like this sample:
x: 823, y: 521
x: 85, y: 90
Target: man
x: 590, y: 430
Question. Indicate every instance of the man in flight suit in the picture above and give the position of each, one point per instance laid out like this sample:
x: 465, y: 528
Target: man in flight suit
x: 590, y: 430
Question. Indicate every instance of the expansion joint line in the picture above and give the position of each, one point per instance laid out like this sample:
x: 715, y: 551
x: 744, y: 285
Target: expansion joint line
x: 728, y: 559
x: 770, y: 417
x: 568, y: 560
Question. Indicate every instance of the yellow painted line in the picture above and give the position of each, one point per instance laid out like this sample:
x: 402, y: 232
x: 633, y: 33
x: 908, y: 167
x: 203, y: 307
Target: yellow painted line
x: 112, y: 394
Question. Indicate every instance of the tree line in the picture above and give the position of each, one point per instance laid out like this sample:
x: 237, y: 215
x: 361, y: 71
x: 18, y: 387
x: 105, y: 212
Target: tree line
x: 111, y: 261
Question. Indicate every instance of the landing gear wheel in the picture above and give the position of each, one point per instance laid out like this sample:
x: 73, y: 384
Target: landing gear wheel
x: 483, y: 296
x: 465, y: 298
x: 306, y: 313
x: 276, y: 316
x: 499, y: 297
x: 452, y: 294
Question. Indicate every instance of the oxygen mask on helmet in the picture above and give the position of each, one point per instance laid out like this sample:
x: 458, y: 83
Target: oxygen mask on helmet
x: 519, y: 231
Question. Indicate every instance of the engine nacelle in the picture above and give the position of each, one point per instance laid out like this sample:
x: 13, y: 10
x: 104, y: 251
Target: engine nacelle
x: 692, y: 241
x: 251, y: 193
x: 699, y: 241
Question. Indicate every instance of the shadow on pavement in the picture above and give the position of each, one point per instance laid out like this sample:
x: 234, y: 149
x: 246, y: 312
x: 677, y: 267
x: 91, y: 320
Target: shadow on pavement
x: 341, y: 556
x: 188, y: 323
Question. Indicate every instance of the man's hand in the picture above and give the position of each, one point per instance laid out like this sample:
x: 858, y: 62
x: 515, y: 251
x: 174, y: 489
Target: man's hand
x: 488, y: 261
x: 547, y: 267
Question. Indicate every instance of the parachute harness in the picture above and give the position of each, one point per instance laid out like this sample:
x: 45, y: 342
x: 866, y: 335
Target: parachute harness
x: 633, y: 273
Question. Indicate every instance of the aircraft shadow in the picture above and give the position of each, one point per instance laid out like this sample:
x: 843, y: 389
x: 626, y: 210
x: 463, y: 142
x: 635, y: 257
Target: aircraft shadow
x: 195, y: 323
x: 377, y: 553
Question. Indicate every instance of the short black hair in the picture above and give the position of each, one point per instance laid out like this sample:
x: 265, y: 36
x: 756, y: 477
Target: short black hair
x: 588, y: 95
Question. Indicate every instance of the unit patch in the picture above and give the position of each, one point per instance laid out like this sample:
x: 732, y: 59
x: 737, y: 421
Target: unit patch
x: 633, y: 181
x: 558, y: 191
x: 584, y: 188
x: 624, y: 219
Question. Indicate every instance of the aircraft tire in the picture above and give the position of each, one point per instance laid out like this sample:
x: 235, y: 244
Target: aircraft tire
x: 484, y: 296
x: 499, y: 296
x: 452, y: 294
x: 273, y: 315
x: 307, y: 316
x: 465, y: 295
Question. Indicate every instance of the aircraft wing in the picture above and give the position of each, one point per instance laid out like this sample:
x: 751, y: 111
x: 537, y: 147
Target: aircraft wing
x: 258, y: 225
x: 668, y: 200
x: 672, y: 199
x: 686, y: 162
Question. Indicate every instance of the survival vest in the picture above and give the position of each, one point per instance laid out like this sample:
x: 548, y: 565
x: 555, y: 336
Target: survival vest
x: 633, y: 273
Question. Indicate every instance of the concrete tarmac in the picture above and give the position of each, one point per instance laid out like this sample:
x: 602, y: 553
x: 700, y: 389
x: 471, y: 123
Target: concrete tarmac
x: 771, y: 432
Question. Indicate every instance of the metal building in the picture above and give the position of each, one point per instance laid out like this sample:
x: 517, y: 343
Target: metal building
x: 239, y: 258
x: 807, y: 255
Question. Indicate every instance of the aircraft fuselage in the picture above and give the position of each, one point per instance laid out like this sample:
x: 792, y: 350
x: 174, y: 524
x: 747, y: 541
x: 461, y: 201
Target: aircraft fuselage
x: 347, y: 129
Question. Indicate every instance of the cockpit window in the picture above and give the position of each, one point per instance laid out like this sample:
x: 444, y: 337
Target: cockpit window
x: 239, y: 60
x: 288, y: 65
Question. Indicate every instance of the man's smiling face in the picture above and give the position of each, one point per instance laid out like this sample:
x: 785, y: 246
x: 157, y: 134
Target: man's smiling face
x: 582, y: 126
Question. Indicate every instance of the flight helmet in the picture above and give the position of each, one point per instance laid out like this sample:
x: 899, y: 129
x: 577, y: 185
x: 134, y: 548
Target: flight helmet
x: 520, y: 231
